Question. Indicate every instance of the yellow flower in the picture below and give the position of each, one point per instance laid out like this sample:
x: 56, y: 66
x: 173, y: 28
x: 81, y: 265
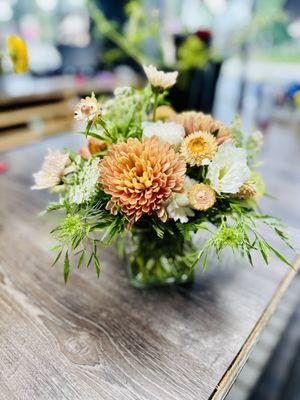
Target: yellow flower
x: 18, y: 53
x: 199, y: 148
x: 201, y: 196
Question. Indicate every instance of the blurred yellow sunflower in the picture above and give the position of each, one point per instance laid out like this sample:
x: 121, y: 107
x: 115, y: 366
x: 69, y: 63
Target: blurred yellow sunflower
x: 18, y: 53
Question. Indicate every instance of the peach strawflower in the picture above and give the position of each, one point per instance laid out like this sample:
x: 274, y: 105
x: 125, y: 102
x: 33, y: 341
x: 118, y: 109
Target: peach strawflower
x: 96, y: 145
x: 164, y: 112
x: 199, y: 148
x: 201, y: 196
x: 141, y: 176
x: 246, y: 191
x: 160, y: 79
x: 84, y: 152
x: 197, y: 121
x: 87, y: 109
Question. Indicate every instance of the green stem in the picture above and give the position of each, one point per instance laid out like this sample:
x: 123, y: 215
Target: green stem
x: 155, y: 106
x: 107, y: 29
x: 103, y: 124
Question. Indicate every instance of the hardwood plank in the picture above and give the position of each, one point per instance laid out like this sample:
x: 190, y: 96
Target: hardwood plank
x: 103, y: 339
x: 61, y: 108
x: 17, y: 137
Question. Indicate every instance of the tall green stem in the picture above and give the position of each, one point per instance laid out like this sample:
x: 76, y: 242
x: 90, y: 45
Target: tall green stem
x: 108, y: 30
x: 155, y: 104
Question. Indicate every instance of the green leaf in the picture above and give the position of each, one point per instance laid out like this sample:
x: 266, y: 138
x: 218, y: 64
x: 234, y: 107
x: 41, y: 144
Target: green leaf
x: 97, y: 265
x: 57, y: 258
x: 90, y: 260
x: 54, y: 206
x: 264, y: 250
x: 80, y: 260
x: 66, y: 267
x: 279, y: 255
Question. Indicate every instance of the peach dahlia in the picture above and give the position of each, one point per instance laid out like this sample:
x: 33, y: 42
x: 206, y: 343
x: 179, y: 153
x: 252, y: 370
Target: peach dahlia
x: 194, y: 121
x: 141, y: 176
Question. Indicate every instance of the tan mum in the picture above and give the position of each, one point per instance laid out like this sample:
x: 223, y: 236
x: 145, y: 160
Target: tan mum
x: 141, y: 176
x: 193, y: 121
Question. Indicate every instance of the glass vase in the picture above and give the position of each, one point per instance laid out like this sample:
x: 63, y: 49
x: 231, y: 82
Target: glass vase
x: 153, y: 261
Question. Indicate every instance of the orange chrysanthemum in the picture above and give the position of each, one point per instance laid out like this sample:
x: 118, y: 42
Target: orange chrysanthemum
x: 193, y: 121
x: 141, y: 176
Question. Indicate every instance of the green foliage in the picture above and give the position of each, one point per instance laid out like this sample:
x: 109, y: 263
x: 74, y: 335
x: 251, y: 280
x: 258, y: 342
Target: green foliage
x: 242, y: 235
x: 130, y: 39
x: 83, y: 229
x: 124, y: 113
x: 192, y: 53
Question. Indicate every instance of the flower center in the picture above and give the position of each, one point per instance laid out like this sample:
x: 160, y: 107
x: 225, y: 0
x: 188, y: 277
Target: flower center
x: 196, y: 145
x: 85, y: 109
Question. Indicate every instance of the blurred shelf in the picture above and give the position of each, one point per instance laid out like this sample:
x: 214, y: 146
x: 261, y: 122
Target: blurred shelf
x: 17, y: 89
x: 31, y: 108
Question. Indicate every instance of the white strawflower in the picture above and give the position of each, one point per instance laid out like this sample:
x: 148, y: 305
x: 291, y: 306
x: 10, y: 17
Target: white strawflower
x: 87, y: 180
x: 87, y: 109
x: 179, y: 208
x: 168, y: 131
x: 160, y: 79
x: 228, y: 169
x: 52, y: 171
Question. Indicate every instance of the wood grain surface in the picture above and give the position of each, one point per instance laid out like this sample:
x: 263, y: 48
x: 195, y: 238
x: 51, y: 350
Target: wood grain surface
x: 103, y: 339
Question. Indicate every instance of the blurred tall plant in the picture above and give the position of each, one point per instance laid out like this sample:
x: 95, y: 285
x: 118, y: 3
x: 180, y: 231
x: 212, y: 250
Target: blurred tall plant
x: 140, y: 38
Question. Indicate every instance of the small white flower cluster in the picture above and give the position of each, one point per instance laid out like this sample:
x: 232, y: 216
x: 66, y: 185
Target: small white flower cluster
x: 85, y: 189
x: 121, y: 105
x: 179, y: 207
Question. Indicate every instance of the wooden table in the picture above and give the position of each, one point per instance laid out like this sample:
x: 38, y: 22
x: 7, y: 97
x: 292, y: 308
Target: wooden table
x: 103, y: 339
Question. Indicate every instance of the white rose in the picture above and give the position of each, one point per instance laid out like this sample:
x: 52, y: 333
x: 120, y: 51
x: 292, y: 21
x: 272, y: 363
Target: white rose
x: 228, y: 169
x: 168, y: 131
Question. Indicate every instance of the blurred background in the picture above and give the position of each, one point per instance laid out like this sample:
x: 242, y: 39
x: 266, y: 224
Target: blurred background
x: 234, y: 56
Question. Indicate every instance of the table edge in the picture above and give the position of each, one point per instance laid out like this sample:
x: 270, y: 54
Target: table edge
x: 235, y: 368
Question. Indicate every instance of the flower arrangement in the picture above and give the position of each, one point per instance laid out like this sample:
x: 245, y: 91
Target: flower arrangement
x: 152, y: 178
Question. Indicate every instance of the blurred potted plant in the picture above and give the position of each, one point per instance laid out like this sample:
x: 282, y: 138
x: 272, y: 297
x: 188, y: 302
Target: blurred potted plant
x: 140, y: 39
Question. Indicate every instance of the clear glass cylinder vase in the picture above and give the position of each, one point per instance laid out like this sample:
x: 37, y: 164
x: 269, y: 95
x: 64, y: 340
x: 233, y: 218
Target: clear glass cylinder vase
x: 153, y: 261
